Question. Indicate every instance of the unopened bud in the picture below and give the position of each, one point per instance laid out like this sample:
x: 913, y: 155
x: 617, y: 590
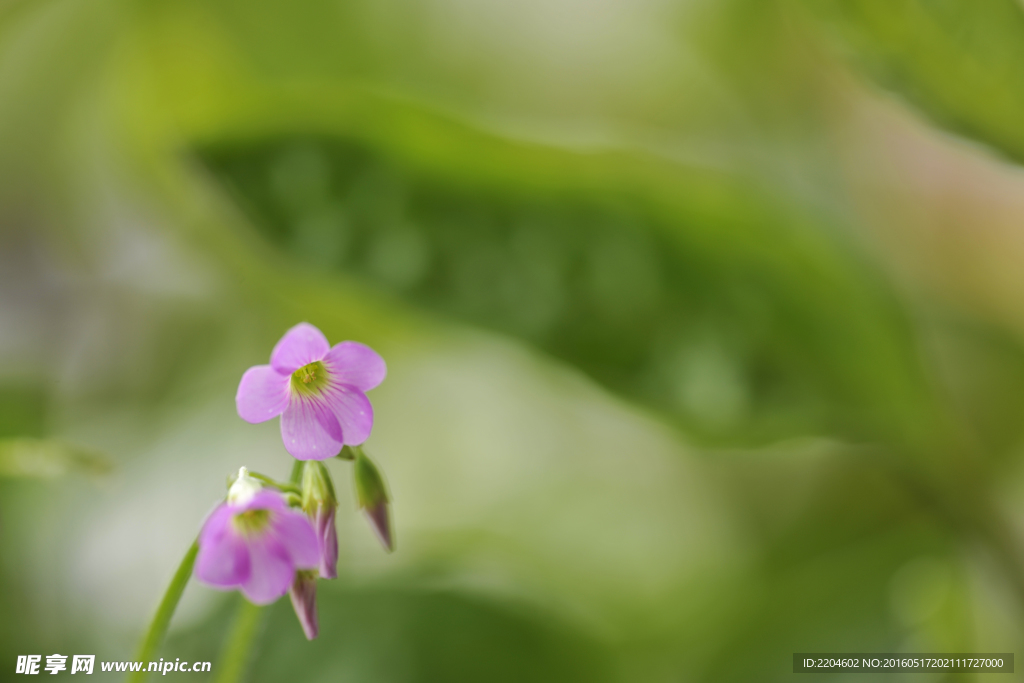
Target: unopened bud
x: 303, y: 595
x: 242, y: 489
x: 373, y: 498
x: 320, y: 503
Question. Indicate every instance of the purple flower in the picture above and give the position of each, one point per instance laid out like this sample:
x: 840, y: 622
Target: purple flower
x: 255, y: 542
x: 318, y: 390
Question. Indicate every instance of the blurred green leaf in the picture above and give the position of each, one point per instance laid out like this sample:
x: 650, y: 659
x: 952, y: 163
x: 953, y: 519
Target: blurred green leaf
x: 46, y: 458
x: 961, y: 62
x: 726, y: 306
x: 406, y: 634
x: 981, y: 370
x: 22, y: 410
x: 832, y: 531
x: 692, y: 293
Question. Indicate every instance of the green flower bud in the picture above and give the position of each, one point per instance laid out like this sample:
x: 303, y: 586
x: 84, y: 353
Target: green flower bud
x: 320, y: 503
x: 317, y: 487
x: 372, y: 495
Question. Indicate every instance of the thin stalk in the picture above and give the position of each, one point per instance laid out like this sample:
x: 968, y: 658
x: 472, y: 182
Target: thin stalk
x: 281, y: 486
x: 162, y: 619
x: 296, y: 477
x: 235, y: 655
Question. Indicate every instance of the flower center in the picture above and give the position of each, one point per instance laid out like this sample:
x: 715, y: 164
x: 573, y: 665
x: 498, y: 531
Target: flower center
x: 310, y: 379
x: 251, y: 521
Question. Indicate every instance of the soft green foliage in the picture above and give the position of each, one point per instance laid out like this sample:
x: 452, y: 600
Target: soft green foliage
x: 659, y: 405
x: 961, y: 62
x: 43, y: 458
x: 685, y: 291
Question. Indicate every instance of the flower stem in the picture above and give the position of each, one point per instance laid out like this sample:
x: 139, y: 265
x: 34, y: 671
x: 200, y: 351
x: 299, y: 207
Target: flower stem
x: 234, y: 656
x: 296, y: 477
x: 158, y: 628
x: 280, y: 486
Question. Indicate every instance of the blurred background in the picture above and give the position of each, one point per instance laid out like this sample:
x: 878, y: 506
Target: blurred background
x: 704, y: 322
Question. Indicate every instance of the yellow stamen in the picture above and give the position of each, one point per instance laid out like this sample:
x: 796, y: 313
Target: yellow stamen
x: 310, y: 379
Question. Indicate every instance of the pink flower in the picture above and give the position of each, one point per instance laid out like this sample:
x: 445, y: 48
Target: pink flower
x: 318, y: 390
x: 255, y: 542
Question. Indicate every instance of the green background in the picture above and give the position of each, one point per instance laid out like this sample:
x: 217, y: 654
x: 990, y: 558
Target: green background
x: 704, y: 323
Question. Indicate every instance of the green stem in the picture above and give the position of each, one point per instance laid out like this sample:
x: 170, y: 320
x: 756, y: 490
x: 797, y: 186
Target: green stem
x: 296, y: 477
x: 235, y: 655
x: 287, y: 488
x: 158, y: 628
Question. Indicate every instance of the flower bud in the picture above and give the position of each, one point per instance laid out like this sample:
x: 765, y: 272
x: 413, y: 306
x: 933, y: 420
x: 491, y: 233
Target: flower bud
x: 373, y: 498
x: 243, y: 488
x: 320, y: 503
x: 303, y: 595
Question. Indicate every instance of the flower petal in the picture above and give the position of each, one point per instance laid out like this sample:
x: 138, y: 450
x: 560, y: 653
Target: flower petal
x: 264, y: 499
x: 295, y: 532
x: 353, y: 411
x: 271, y: 570
x: 356, y: 364
x: 223, y: 559
x: 262, y: 394
x: 300, y: 346
x: 310, y: 430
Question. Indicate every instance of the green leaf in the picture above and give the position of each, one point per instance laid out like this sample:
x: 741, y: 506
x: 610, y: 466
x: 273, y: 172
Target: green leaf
x: 47, y: 458
x: 961, y: 62
x: 402, y: 633
x: 692, y: 293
